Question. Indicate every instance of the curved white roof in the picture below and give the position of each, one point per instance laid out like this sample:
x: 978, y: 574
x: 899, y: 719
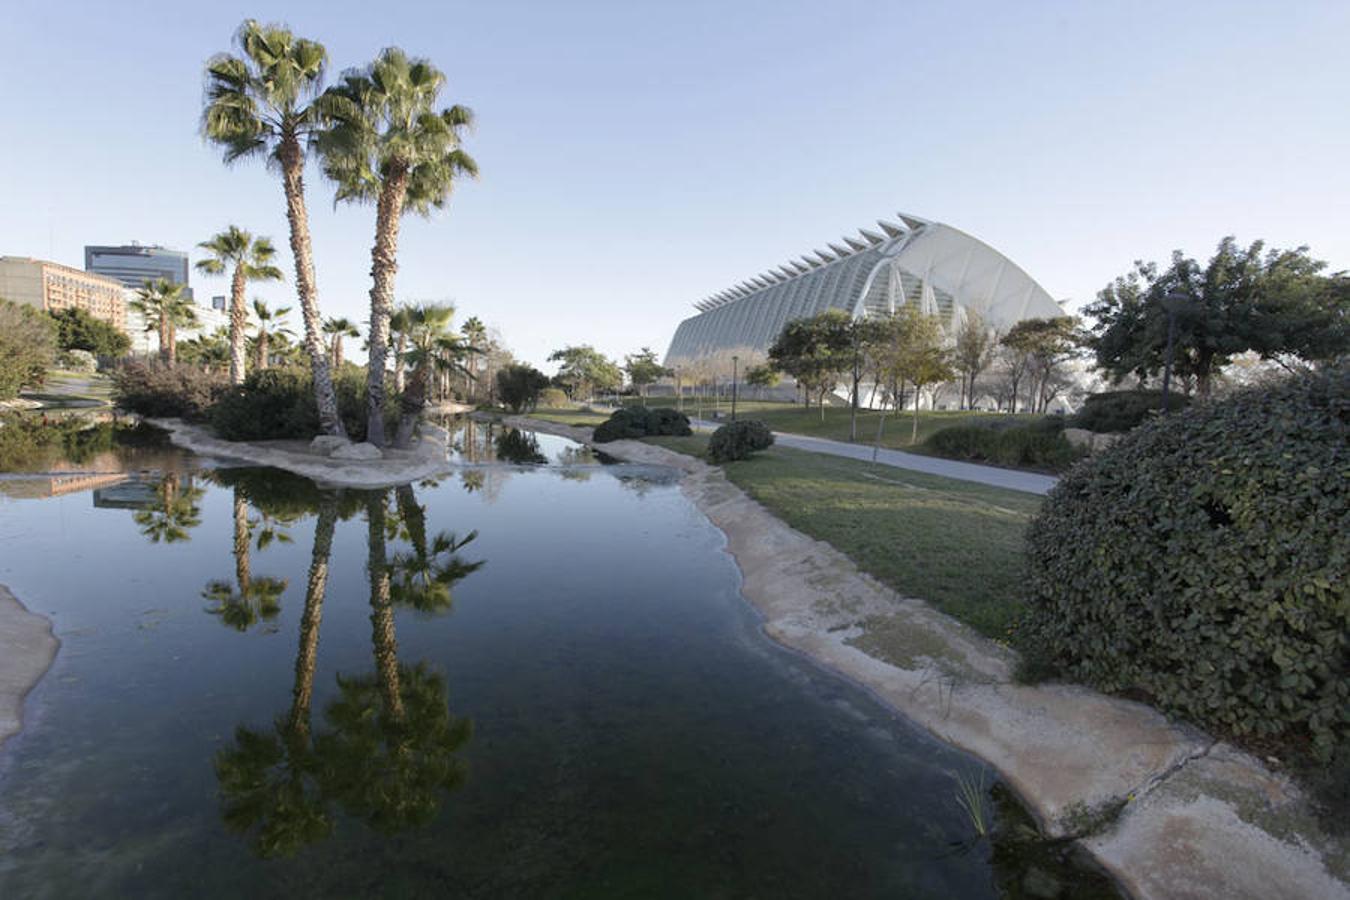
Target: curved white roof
x: 918, y: 261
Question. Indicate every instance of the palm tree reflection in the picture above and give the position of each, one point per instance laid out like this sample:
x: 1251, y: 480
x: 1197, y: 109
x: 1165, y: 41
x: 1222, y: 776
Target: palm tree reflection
x: 174, y: 513
x: 242, y: 604
x: 388, y: 752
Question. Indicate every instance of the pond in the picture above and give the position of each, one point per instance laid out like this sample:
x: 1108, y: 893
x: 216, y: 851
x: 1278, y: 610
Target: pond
x: 534, y: 677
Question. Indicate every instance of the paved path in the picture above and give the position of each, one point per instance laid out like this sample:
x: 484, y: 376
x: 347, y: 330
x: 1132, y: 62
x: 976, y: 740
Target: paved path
x: 1011, y: 479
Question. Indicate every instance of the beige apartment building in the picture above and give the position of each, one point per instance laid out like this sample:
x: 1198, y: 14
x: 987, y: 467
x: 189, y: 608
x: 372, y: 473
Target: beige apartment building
x: 51, y: 286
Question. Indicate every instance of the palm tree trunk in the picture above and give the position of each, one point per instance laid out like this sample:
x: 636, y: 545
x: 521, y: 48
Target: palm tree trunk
x: 164, y: 341
x: 242, y: 566
x: 262, y: 349
x: 337, y: 352
x: 383, y: 267
x: 400, y: 364
x: 238, y: 322
x: 411, y: 404
x: 173, y: 343
x: 382, y: 636
x: 307, y: 655
x: 292, y: 160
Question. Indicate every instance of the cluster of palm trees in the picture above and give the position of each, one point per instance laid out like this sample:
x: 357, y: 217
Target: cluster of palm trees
x: 380, y: 137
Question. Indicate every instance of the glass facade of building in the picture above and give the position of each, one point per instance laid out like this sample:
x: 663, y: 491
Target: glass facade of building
x: 945, y: 271
x: 134, y: 264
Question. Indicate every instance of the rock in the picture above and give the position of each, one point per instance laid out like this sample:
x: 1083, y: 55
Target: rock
x: 327, y: 443
x: 357, y: 451
x: 1081, y: 437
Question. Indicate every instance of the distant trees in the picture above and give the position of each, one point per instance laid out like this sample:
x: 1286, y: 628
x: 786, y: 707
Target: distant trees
x: 583, y: 370
x: 1043, y: 345
x: 341, y: 327
x: 271, y: 325
x: 762, y: 377
x: 815, y: 352
x: 1271, y: 302
x: 249, y: 259
x: 165, y: 307
x: 643, y: 369
x: 519, y: 386
x: 27, y: 347
x: 972, y: 354
x: 908, y: 351
x: 77, y: 329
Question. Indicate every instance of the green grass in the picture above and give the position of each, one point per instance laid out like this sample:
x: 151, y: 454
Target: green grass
x: 955, y: 544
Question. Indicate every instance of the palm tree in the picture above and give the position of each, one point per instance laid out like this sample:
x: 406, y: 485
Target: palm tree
x: 251, y: 259
x: 163, y: 303
x: 434, y: 349
x: 475, y: 334
x: 261, y: 103
x: 399, y: 323
x: 266, y: 330
x: 387, y: 143
x: 337, y: 329
x: 175, y: 514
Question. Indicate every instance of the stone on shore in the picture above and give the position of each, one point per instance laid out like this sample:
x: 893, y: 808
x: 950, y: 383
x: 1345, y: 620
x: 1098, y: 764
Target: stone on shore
x: 328, y: 443
x: 357, y: 451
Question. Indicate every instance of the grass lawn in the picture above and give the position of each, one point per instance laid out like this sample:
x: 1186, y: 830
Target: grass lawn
x: 955, y: 544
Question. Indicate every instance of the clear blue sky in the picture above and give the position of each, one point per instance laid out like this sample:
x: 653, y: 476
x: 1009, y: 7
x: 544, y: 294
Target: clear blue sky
x: 637, y: 156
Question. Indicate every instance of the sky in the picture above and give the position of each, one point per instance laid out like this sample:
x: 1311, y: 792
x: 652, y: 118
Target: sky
x: 637, y: 156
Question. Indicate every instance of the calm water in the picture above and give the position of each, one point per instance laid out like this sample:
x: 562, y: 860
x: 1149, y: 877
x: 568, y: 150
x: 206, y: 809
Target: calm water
x: 549, y: 687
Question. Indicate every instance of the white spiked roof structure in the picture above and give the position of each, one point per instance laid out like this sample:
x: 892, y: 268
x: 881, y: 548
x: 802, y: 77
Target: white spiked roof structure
x: 916, y: 261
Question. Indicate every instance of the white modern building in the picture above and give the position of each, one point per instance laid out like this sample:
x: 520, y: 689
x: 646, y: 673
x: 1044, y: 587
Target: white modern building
x: 913, y: 261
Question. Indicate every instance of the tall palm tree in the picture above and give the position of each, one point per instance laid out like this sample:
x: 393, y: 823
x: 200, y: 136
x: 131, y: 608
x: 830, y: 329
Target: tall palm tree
x: 434, y: 349
x: 475, y: 334
x: 251, y: 260
x: 267, y: 330
x: 399, y: 323
x: 261, y: 103
x: 387, y: 143
x: 337, y: 329
x: 163, y: 303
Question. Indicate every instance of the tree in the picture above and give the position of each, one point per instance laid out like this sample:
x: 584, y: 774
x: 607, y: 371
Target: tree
x: 175, y: 513
x: 210, y: 351
x: 250, y: 259
x: 165, y: 307
x: 815, y: 352
x: 1044, y: 344
x: 476, y: 338
x: 761, y: 377
x: 27, y: 347
x: 400, y: 321
x: 908, y: 350
x: 250, y: 599
x: 77, y: 329
x: 973, y: 353
x: 643, y: 369
x: 519, y: 385
x: 433, y: 349
x: 337, y: 329
x: 260, y: 104
x: 584, y: 370
x: 1273, y: 302
x: 387, y: 143
x: 267, y: 330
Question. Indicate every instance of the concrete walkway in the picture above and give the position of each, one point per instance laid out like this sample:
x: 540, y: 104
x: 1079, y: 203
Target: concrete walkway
x: 1011, y: 479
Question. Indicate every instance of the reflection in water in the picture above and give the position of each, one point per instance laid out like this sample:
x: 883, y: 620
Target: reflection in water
x: 522, y: 448
x: 242, y: 604
x: 390, y: 750
x: 175, y: 511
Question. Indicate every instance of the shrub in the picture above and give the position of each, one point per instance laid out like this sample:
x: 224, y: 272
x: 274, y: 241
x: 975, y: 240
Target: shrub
x: 1202, y: 560
x: 737, y: 440
x: 180, y: 391
x: 519, y: 386
x: 27, y: 347
x: 640, y: 421
x: 273, y: 404
x: 1039, y: 445
x: 77, y: 329
x: 1113, y: 411
x: 552, y: 398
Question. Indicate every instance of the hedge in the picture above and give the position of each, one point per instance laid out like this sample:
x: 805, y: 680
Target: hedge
x: 641, y: 421
x: 737, y: 440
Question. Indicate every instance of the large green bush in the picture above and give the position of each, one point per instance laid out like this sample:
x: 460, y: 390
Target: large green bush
x: 1037, y: 445
x: 273, y: 404
x: 1202, y: 561
x: 642, y: 421
x: 178, y: 391
x: 27, y: 347
x: 1114, y: 411
x: 737, y: 440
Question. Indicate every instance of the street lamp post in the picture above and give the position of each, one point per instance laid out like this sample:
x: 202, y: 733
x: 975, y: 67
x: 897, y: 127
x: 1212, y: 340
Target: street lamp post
x: 1172, y: 299
x: 735, y: 374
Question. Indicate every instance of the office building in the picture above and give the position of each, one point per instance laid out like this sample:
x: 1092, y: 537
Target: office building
x: 134, y: 264
x: 51, y: 286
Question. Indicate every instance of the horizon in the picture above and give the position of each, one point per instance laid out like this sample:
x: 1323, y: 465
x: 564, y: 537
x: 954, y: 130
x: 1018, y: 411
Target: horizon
x: 637, y: 160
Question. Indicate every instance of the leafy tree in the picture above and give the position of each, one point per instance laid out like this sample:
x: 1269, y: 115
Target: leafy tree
x: 643, y: 369
x: 908, y: 351
x: 519, y: 385
x: 815, y: 352
x: 77, y: 329
x: 1273, y: 302
x: 1044, y: 345
x: 260, y: 104
x: 250, y: 259
x: 973, y: 353
x: 387, y: 143
x: 164, y: 306
x: 270, y: 326
x: 27, y: 347
x: 761, y: 377
x: 338, y: 328
x: 584, y: 370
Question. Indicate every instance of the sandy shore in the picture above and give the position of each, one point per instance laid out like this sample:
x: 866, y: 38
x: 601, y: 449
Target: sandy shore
x: 27, y: 648
x: 1167, y: 809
